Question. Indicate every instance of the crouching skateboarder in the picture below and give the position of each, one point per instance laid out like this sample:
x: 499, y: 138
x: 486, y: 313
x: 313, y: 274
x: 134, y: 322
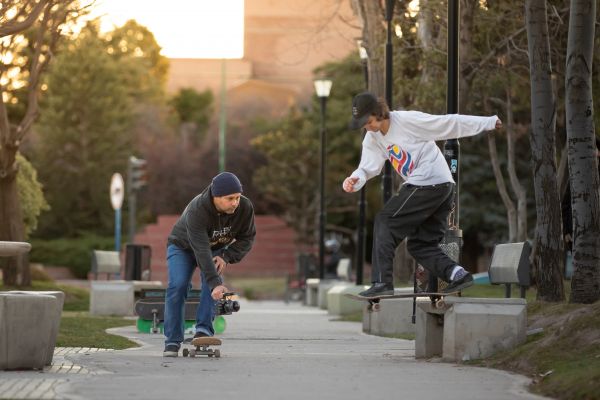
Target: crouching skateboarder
x: 420, y: 209
x: 215, y: 229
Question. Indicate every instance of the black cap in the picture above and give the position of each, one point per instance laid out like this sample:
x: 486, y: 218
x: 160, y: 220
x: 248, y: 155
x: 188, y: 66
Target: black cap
x: 363, y: 105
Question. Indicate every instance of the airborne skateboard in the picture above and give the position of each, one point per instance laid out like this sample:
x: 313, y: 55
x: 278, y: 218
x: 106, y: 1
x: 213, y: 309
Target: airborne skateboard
x: 201, y: 347
x: 437, y: 298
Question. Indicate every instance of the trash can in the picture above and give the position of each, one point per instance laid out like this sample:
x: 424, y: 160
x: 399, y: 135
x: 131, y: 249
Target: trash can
x: 137, y: 262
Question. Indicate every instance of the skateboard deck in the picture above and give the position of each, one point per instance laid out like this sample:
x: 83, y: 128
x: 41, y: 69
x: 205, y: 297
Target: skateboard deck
x: 201, y: 347
x: 437, y: 298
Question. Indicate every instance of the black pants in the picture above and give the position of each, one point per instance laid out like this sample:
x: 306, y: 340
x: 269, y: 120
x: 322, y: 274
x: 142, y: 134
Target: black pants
x: 419, y: 213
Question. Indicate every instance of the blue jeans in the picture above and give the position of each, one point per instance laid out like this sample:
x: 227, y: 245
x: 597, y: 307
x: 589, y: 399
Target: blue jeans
x: 181, y: 265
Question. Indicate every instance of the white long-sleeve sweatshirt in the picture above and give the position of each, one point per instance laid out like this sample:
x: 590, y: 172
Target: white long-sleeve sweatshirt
x: 410, y: 146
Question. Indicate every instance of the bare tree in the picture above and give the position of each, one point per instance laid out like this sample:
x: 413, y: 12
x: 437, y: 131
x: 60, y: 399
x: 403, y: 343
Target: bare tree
x: 516, y: 215
x: 46, y: 18
x: 371, y: 13
x: 548, y: 258
x: 583, y: 160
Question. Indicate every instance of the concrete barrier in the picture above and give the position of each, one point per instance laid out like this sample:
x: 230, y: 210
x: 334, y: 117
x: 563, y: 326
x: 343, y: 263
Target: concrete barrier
x: 112, y: 298
x: 55, y: 317
x: 312, y: 289
x: 26, y: 327
x: 471, y: 328
x: 339, y: 304
x: 324, y: 286
x: 394, y: 316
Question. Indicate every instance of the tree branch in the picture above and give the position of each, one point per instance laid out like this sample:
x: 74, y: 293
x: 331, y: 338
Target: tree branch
x: 18, y: 26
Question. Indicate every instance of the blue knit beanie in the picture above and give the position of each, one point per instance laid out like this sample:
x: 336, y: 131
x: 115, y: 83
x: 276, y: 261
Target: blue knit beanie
x: 225, y: 184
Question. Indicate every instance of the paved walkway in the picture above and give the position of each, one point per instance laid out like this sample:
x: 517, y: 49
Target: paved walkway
x: 270, y: 351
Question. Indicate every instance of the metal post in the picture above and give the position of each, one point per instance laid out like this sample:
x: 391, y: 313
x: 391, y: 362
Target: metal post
x: 118, y: 229
x: 387, y: 169
x: 452, y: 242
x: 222, y: 116
x: 452, y: 147
x: 362, y: 204
x: 322, y: 214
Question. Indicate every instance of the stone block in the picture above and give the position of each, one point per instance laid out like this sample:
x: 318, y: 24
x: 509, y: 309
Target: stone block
x: 26, y: 325
x: 112, y: 298
x: 324, y: 286
x: 55, y: 316
x: 478, y: 328
x: 469, y: 328
x: 339, y: 304
x: 392, y: 312
x: 312, y: 288
x: 393, y: 318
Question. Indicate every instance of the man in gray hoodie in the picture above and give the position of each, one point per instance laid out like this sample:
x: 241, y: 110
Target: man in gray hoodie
x: 215, y: 229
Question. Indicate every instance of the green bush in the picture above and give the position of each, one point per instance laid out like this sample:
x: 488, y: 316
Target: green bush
x: 74, y: 253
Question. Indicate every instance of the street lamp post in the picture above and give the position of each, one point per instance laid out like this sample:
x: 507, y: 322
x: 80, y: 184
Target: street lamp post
x: 322, y: 87
x: 360, y: 242
x: 387, y: 169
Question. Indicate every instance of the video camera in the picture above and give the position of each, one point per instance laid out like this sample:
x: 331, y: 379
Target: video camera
x: 226, y: 306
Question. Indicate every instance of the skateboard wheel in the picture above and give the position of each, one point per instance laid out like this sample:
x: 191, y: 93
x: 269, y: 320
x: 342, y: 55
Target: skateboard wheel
x: 186, y: 352
x: 217, y: 353
x: 376, y: 307
x: 440, y: 304
x: 192, y: 353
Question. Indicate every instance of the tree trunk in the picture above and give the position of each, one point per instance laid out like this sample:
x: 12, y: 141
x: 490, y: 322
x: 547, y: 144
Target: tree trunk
x: 11, y: 220
x: 548, y: 258
x: 583, y: 160
x: 520, y: 193
x: 465, y: 49
x: 511, y: 211
x: 370, y: 14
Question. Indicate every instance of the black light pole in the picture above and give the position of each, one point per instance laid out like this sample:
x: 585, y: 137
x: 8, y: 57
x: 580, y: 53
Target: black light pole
x: 362, y: 203
x: 452, y: 242
x: 452, y: 147
x: 387, y: 169
x: 322, y: 87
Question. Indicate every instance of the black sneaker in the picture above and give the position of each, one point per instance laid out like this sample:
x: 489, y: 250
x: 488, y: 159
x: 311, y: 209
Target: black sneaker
x: 462, y: 280
x: 171, y: 350
x: 378, y: 289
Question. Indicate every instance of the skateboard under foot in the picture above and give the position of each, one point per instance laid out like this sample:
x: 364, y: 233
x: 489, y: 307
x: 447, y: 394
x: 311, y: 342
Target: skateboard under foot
x: 201, y: 347
x: 436, y: 298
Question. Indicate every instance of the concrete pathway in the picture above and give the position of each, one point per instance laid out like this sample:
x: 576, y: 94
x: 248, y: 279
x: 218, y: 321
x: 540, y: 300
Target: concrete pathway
x: 270, y: 351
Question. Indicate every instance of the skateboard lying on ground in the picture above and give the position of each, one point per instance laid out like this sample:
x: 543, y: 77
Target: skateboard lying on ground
x: 201, y: 347
x: 437, y: 298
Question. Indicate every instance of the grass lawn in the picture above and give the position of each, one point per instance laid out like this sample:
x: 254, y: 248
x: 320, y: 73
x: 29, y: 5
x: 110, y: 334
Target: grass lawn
x: 79, y: 329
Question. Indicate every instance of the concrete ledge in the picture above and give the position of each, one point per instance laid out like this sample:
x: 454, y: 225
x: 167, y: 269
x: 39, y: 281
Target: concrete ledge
x: 324, y: 286
x: 338, y: 304
x: 112, y: 298
x: 394, y: 316
x: 26, y: 326
x: 55, y: 317
x: 470, y: 328
x: 11, y: 249
x: 312, y: 289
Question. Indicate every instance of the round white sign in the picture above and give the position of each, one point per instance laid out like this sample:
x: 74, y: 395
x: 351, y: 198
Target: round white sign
x: 117, y: 191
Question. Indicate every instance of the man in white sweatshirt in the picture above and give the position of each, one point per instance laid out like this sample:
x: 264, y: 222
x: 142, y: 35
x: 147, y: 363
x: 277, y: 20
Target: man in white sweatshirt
x: 420, y: 209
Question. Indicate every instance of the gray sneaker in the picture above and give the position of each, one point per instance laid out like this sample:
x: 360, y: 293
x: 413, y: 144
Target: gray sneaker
x: 171, y: 350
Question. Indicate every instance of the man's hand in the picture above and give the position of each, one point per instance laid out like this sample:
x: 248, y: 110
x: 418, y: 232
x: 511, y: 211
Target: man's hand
x: 217, y: 292
x: 220, y: 264
x: 498, y: 124
x: 349, y: 183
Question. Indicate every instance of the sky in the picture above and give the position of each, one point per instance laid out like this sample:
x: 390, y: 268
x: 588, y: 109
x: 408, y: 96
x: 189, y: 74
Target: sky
x: 187, y: 28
